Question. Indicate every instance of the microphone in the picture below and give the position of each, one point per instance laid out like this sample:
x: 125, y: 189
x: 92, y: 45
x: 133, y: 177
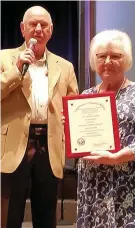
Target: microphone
x: 31, y: 44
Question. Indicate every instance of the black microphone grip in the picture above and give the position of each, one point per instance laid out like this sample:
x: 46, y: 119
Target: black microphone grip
x: 25, y: 68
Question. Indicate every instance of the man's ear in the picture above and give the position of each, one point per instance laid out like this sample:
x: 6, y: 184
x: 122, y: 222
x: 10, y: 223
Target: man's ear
x: 51, y: 28
x: 22, y: 28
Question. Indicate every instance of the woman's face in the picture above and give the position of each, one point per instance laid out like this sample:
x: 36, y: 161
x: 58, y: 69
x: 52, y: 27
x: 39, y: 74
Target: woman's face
x: 110, y: 66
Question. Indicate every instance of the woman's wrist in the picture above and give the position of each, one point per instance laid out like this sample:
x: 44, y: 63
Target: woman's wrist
x: 124, y: 155
x: 132, y: 149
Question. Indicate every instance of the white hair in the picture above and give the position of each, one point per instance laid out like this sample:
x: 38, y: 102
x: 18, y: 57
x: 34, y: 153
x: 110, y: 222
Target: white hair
x: 113, y: 38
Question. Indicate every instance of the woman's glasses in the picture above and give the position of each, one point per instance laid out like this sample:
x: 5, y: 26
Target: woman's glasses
x: 102, y: 57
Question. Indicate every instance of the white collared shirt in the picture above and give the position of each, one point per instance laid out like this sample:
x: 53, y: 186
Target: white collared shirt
x: 39, y: 89
x: 38, y: 81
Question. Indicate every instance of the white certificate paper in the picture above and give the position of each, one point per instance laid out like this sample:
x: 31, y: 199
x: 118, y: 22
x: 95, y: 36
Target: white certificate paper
x: 90, y: 124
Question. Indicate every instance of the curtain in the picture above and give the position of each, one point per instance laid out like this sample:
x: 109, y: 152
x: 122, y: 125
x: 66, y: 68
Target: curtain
x: 64, y: 41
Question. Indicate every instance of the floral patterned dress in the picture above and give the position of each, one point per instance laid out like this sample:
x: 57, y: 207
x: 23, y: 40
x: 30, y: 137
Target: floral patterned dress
x: 106, y: 194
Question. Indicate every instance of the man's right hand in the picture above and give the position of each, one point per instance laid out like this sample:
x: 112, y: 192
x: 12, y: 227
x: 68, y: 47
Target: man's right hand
x: 26, y: 56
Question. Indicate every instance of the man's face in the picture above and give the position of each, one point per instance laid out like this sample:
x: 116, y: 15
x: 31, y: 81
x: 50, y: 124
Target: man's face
x: 38, y: 26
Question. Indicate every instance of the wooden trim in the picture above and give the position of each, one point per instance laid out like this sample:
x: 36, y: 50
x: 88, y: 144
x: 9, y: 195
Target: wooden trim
x: 82, y: 55
x: 92, y: 34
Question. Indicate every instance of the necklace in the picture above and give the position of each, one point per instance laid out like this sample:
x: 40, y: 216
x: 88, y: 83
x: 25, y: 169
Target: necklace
x: 118, y: 92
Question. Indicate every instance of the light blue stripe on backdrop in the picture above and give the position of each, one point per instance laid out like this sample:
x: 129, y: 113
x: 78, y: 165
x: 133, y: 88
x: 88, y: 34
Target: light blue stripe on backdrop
x: 117, y: 15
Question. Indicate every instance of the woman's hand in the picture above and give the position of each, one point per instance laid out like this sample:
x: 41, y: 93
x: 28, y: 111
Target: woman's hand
x: 107, y: 158
x: 102, y: 157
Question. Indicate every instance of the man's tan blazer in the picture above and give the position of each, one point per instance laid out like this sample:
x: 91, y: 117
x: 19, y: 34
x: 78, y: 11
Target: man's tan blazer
x: 16, y: 111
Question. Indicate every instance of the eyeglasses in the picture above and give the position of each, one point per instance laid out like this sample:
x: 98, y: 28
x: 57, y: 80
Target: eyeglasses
x: 101, y: 57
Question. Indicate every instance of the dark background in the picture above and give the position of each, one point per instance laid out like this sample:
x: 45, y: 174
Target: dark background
x: 64, y: 41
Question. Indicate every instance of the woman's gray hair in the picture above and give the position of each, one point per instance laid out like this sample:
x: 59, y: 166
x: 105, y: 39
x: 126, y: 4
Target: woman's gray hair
x: 113, y: 38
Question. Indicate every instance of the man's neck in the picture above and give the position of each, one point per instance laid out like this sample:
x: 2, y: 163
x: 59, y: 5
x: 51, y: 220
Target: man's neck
x: 39, y: 52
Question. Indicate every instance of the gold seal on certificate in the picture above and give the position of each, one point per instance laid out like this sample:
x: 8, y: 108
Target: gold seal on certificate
x: 90, y: 124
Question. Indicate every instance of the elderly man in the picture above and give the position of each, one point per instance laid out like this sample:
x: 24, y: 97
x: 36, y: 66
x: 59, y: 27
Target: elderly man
x: 33, y: 81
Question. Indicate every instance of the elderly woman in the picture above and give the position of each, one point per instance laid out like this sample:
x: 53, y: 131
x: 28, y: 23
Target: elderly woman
x: 106, y: 181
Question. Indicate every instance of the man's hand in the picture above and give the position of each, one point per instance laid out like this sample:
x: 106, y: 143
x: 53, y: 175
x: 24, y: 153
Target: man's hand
x: 62, y: 118
x: 26, y: 56
x: 102, y: 157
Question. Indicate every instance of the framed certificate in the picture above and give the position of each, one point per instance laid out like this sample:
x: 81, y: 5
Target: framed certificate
x: 90, y: 124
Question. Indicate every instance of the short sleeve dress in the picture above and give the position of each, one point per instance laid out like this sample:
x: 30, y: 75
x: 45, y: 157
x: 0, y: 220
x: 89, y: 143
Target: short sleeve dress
x: 106, y: 194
